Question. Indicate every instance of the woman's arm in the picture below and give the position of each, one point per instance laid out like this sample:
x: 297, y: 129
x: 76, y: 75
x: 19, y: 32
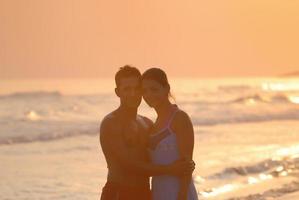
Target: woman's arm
x: 183, y: 129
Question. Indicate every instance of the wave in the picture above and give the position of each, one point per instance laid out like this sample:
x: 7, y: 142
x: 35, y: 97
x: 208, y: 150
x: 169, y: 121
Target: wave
x: 36, y: 128
x: 244, y: 99
x: 193, y: 98
x: 43, y: 137
x: 256, y: 98
x: 269, y: 167
x: 279, y: 98
x: 245, y: 118
x: 35, y: 94
x: 32, y: 115
x: 43, y: 131
x: 276, y: 193
x: 234, y: 88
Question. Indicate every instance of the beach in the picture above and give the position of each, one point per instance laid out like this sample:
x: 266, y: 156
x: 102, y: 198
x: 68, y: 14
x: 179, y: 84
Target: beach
x: 246, y: 139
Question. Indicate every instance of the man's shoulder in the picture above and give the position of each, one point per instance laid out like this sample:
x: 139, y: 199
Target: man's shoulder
x: 146, y: 122
x: 109, y: 123
x: 109, y: 117
x: 144, y: 118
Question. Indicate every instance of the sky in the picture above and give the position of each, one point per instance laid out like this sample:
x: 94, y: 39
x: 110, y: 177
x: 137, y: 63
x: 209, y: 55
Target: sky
x: 198, y: 38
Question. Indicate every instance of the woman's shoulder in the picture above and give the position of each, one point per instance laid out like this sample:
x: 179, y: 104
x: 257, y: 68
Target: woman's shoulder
x: 182, y: 124
x: 181, y: 114
x: 181, y: 118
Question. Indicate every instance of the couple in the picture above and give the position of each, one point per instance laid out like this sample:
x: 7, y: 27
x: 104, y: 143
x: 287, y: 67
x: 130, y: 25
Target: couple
x: 135, y: 148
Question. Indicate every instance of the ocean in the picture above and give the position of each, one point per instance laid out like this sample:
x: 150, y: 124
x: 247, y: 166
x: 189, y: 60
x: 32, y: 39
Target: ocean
x: 246, y: 136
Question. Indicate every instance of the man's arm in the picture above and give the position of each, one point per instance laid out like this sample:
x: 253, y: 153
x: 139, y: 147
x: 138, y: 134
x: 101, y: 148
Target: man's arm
x: 114, y: 147
x: 147, y: 126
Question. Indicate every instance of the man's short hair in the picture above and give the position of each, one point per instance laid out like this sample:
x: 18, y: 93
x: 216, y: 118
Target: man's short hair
x: 125, y: 72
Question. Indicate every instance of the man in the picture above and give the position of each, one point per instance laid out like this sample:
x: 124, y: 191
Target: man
x: 123, y: 138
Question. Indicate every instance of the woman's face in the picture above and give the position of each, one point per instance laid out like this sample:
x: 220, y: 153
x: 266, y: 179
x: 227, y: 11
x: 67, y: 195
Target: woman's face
x: 153, y: 92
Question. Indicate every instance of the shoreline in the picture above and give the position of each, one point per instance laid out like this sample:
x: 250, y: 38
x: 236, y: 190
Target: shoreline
x: 289, y: 191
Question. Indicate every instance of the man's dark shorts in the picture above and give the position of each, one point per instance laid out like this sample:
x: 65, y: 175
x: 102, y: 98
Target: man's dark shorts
x: 114, y: 191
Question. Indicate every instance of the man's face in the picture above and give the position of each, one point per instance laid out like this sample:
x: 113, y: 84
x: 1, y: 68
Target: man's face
x: 129, y: 91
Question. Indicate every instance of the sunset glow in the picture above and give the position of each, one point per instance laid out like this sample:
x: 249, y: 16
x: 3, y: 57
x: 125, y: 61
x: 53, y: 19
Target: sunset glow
x: 83, y: 39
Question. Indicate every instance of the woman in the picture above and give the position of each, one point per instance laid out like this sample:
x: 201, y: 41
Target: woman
x: 171, y: 138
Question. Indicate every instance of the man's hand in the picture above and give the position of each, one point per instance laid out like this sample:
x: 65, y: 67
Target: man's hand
x: 182, y: 167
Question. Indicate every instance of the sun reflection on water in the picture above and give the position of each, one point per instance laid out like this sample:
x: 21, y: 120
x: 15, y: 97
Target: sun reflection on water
x: 293, y: 86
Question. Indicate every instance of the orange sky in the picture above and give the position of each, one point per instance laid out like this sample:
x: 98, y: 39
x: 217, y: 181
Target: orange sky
x: 199, y: 38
